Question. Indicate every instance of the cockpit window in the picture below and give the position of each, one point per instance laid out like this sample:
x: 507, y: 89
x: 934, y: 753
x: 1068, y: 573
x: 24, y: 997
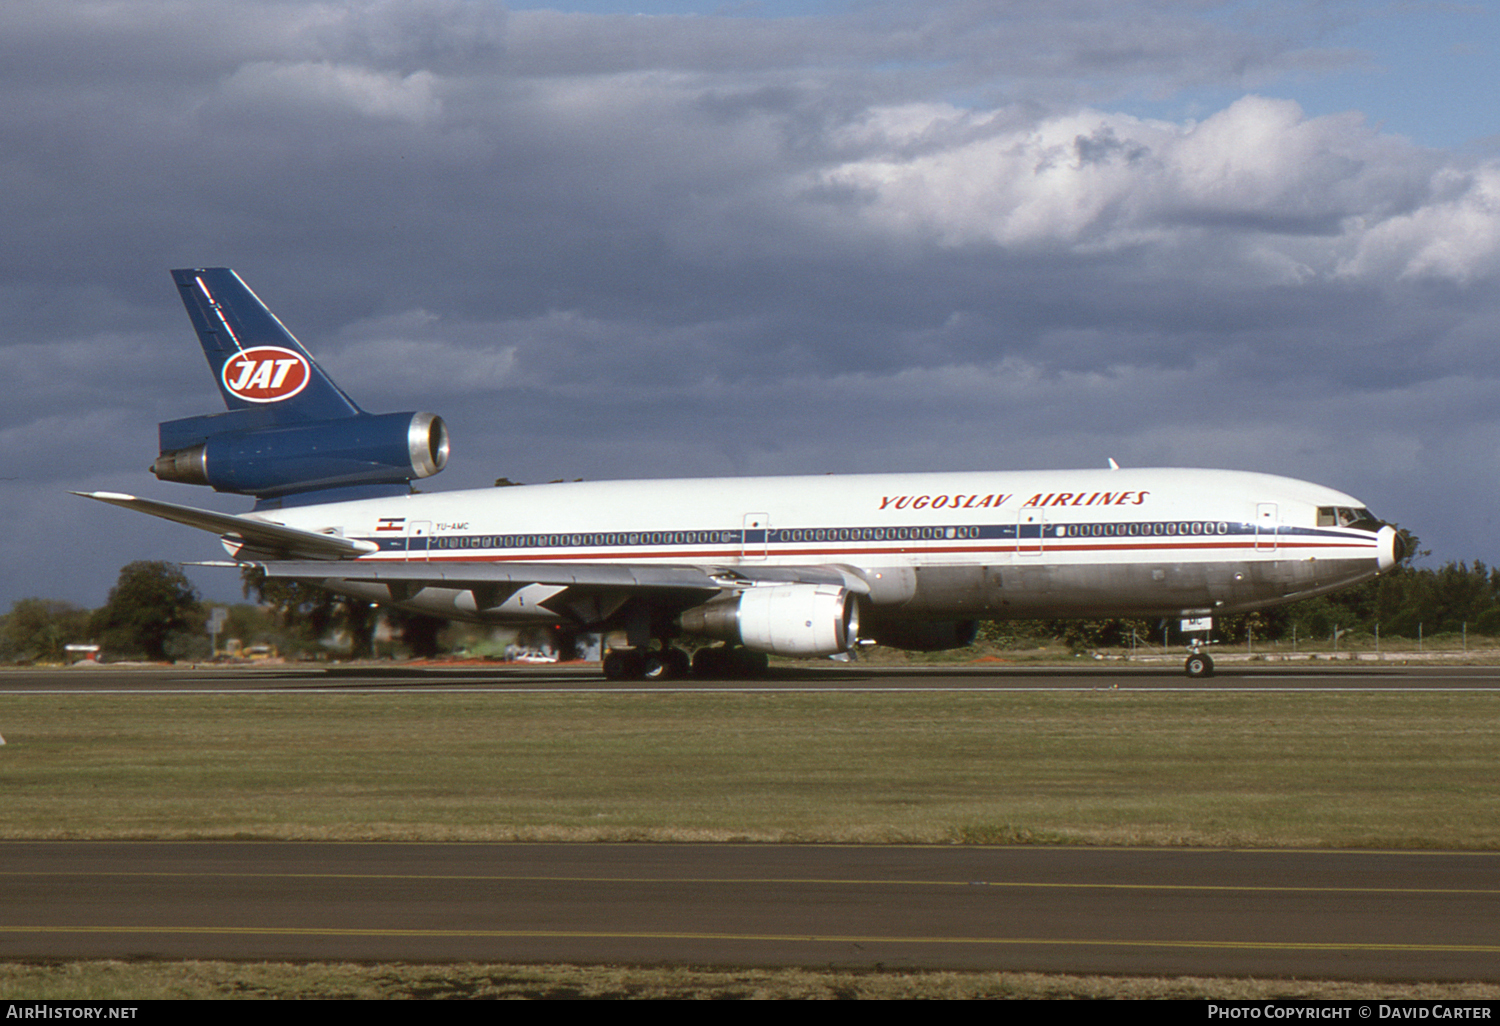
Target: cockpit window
x: 1342, y: 516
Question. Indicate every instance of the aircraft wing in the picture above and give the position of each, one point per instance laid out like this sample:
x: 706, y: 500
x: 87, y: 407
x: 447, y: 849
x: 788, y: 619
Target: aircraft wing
x: 585, y: 592
x: 630, y: 576
x: 462, y: 575
x: 254, y: 534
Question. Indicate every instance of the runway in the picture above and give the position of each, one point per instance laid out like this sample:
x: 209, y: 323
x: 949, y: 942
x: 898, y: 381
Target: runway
x: 1392, y: 916
x: 812, y: 676
x: 1308, y: 914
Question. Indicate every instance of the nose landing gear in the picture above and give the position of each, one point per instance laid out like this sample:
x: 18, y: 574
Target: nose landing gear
x: 1198, y: 664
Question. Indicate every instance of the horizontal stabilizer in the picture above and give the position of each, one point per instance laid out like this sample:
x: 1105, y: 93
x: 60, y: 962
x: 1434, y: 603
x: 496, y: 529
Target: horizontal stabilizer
x: 259, y: 535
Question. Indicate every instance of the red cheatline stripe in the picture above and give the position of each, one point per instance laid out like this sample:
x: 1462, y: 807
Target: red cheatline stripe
x: 736, y: 549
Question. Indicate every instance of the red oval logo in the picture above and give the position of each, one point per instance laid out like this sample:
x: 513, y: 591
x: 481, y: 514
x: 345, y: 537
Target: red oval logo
x: 265, y: 374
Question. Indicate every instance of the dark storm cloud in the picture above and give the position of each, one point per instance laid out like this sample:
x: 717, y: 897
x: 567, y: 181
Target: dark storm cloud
x: 897, y: 238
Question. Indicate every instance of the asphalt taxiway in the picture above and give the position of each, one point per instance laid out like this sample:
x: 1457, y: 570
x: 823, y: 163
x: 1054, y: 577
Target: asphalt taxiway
x: 1361, y: 915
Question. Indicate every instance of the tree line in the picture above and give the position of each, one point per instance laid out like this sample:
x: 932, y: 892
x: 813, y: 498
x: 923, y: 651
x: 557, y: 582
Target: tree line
x: 150, y: 606
x: 154, y: 613
x: 1408, y: 602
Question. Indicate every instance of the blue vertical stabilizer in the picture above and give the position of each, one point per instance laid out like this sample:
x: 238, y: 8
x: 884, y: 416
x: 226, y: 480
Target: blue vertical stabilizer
x: 253, y: 357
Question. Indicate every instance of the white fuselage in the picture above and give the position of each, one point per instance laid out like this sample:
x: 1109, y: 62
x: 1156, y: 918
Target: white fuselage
x: 928, y: 546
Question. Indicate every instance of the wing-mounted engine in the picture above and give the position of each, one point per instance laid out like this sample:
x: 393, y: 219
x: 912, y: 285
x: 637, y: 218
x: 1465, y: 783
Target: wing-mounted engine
x: 782, y: 619
x: 229, y: 455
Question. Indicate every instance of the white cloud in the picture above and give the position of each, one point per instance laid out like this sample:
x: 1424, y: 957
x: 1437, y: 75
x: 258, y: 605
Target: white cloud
x: 1455, y: 236
x: 416, y: 352
x: 1292, y: 196
x: 318, y: 88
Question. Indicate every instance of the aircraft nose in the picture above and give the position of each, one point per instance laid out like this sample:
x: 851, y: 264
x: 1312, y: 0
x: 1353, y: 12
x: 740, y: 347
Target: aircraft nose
x: 1392, y: 547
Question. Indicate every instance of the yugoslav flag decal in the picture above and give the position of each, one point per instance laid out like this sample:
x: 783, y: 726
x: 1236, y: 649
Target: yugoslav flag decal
x: 266, y: 374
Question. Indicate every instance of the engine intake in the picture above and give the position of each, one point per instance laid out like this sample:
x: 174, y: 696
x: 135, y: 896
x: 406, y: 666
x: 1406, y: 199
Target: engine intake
x: 783, y: 619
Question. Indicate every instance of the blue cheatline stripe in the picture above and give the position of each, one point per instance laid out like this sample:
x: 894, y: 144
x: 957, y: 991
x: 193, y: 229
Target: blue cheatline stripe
x: 1187, y: 531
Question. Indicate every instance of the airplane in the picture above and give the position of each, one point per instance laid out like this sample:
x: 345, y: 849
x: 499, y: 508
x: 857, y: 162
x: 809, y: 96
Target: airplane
x: 788, y: 566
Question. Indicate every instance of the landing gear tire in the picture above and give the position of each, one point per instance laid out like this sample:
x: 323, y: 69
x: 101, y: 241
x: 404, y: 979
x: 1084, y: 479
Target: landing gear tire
x: 726, y: 662
x: 624, y: 664
x: 1199, y: 666
x: 711, y: 662
x: 665, y: 664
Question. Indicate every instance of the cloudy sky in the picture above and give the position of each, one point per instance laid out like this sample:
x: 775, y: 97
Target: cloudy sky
x: 613, y: 239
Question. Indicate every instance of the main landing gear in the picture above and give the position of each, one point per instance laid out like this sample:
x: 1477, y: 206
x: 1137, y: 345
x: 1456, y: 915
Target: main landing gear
x: 729, y: 661
x: 668, y: 663
x: 645, y: 664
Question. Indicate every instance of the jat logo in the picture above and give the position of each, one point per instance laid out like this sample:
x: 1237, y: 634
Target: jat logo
x: 266, y: 374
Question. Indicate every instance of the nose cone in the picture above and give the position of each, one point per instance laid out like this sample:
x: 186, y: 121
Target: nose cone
x: 1392, y: 547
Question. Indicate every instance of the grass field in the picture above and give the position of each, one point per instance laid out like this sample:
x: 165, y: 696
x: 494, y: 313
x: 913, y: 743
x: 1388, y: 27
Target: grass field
x: 154, y: 981
x: 1390, y: 770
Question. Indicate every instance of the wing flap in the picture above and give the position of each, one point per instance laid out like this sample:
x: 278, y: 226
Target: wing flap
x: 467, y: 576
x: 497, y: 577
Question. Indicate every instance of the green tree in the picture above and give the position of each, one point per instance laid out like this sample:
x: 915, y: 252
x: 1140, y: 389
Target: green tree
x: 419, y: 633
x: 310, y: 613
x: 151, y: 602
x: 36, y: 629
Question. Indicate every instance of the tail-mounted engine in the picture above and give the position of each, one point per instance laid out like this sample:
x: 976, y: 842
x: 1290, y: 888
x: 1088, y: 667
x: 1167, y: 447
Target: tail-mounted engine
x: 783, y: 619
x: 238, y: 452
